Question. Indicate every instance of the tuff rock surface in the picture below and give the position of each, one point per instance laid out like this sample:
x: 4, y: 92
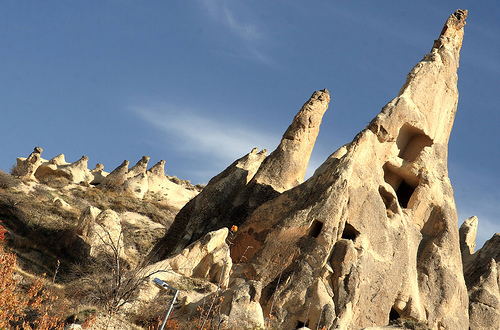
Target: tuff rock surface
x: 372, y: 236
x: 250, y: 181
x: 137, y: 180
x: 206, y: 258
x: 482, y: 277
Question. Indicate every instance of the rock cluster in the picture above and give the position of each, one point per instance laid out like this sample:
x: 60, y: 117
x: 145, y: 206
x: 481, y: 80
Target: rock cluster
x: 371, y: 238
x: 137, y: 180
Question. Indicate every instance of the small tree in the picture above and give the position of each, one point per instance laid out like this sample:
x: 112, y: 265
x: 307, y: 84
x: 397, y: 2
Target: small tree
x: 21, y: 310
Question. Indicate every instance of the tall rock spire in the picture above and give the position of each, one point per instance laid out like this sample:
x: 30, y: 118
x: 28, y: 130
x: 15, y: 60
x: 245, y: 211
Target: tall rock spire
x: 286, y: 166
x: 372, y: 236
x: 254, y: 179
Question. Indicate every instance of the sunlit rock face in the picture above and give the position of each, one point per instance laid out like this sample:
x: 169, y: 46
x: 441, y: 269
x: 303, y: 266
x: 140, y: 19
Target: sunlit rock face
x: 373, y: 235
x: 481, y: 277
x: 249, y: 182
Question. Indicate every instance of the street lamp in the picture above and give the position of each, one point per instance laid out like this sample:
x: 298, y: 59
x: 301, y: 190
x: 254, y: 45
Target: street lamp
x: 165, y: 286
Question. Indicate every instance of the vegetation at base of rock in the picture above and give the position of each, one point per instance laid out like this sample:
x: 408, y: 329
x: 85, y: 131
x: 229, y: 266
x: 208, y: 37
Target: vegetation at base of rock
x: 7, y: 181
x: 27, y: 306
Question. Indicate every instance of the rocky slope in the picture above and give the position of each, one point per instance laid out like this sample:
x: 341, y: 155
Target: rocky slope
x: 369, y: 241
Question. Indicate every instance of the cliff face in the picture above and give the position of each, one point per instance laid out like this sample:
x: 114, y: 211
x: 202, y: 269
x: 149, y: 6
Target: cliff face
x: 372, y: 236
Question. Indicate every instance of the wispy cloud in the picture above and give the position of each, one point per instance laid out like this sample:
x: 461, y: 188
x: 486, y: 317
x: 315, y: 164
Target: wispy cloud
x: 238, y: 20
x: 192, y: 133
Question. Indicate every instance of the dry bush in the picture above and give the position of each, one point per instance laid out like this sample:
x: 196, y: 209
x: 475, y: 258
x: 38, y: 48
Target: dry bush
x: 106, y: 280
x: 31, y: 308
x: 7, y: 181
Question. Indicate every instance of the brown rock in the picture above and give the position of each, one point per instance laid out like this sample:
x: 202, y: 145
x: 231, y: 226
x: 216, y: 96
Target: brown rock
x: 139, y: 168
x: 98, y: 174
x: 241, y: 305
x: 194, y: 219
x: 468, y: 232
x: 286, y: 166
x: 206, y: 258
x: 77, y: 172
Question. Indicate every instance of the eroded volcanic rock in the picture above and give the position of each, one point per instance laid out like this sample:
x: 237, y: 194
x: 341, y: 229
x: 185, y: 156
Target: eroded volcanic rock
x: 250, y: 181
x: 376, y: 226
x: 482, y: 277
x: 372, y: 236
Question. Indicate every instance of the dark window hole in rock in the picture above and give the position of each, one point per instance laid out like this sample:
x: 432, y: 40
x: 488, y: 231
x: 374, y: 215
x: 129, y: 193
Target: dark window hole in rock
x: 250, y: 231
x: 404, y: 193
x: 393, y: 315
x: 411, y: 141
x: 300, y: 324
x: 349, y: 232
x: 404, y: 189
x: 315, y: 228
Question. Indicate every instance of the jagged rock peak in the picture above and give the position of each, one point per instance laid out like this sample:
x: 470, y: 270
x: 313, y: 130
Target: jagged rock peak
x: 58, y: 160
x: 118, y: 176
x: 140, y: 167
x: 482, y: 276
x: 158, y: 168
x: 286, y: 166
x: 468, y: 233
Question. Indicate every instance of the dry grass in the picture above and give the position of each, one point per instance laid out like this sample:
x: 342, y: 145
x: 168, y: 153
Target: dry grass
x: 121, y: 201
x: 56, y: 182
x: 8, y: 181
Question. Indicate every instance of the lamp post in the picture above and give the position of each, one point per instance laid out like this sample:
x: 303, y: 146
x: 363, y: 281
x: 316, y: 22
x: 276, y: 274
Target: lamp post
x: 165, y: 286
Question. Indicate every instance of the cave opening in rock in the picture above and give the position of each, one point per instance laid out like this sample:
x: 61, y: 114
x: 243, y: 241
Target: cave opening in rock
x: 403, y: 186
x: 300, y: 324
x: 411, y: 141
x: 404, y: 193
x: 393, y: 315
x: 349, y: 232
x: 315, y: 228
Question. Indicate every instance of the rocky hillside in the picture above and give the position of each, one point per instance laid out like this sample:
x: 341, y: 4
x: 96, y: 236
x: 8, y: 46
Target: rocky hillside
x: 369, y: 241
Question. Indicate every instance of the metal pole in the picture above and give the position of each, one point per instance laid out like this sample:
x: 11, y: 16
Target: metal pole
x: 166, y: 287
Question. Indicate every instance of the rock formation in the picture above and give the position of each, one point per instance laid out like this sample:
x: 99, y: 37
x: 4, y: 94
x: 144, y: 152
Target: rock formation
x: 26, y: 167
x: 250, y: 181
x: 98, y: 174
x: 482, y: 277
x: 241, y: 306
x: 206, y: 258
x: 137, y: 180
x: 117, y: 177
x: 372, y: 236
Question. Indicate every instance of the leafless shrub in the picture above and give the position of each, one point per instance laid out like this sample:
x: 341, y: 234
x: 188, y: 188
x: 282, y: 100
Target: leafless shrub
x: 7, y: 181
x: 107, y: 280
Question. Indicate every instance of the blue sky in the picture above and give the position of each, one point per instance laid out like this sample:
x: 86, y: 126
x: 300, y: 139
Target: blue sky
x: 200, y: 83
